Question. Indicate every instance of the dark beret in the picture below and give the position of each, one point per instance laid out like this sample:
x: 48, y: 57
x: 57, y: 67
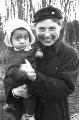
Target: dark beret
x: 47, y: 12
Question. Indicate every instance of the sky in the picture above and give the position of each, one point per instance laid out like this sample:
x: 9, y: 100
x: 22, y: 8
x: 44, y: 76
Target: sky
x: 2, y: 7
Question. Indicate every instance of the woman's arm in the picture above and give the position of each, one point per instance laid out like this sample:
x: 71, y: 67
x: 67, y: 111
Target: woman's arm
x: 57, y: 87
x: 48, y: 88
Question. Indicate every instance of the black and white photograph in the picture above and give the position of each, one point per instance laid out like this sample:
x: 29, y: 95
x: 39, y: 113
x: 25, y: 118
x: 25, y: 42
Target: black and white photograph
x: 39, y: 59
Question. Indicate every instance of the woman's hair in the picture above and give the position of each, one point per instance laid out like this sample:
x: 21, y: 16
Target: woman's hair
x: 60, y: 22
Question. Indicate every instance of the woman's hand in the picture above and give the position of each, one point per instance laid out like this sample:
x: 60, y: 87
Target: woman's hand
x: 31, y: 75
x: 27, y: 67
x: 21, y: 91
x: 29, y: 70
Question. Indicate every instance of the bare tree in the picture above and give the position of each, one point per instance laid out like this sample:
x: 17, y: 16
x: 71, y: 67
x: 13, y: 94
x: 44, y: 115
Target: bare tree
x: 43, y: 3
x: 20, y: 9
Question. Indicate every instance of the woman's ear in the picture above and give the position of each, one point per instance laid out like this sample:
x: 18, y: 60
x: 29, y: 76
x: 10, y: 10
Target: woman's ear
x: 60, y: 22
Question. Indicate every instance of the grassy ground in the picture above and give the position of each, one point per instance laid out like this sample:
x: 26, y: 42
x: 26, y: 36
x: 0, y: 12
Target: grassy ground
x: 74, y: 100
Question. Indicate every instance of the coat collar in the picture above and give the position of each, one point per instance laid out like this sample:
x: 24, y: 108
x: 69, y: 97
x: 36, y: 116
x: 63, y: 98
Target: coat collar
x: 51, y: 50
x: 26, y: 49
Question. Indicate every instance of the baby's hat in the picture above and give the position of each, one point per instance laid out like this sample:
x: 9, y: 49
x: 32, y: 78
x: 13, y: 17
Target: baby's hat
x: 14, y: 24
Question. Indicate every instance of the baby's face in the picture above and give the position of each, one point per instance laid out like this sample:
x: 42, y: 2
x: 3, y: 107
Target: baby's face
x: 20, y: 39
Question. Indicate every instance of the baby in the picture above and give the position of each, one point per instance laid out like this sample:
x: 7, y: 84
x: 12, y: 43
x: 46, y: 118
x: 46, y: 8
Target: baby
x: 20, y: 54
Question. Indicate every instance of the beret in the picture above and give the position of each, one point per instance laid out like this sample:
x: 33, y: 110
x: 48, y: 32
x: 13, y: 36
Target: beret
x: 47, y: 12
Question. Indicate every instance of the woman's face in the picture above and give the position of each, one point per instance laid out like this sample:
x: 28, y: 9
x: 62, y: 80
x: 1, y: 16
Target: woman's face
x: 47, y: 31
x: 20, y: 39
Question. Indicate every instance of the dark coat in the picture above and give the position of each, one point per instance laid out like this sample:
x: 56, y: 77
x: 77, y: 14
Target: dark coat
x: 14, y: 78
x: 56, y: 76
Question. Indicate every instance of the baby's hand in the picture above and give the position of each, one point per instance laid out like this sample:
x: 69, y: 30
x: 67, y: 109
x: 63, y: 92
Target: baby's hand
x: 26, y: 67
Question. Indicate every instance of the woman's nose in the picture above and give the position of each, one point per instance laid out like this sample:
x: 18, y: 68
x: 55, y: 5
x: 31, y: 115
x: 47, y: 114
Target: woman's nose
x: 47, y: 33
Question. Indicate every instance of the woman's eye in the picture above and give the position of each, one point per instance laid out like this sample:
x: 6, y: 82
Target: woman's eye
x: 52, y: 29
x: 42, y: 29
